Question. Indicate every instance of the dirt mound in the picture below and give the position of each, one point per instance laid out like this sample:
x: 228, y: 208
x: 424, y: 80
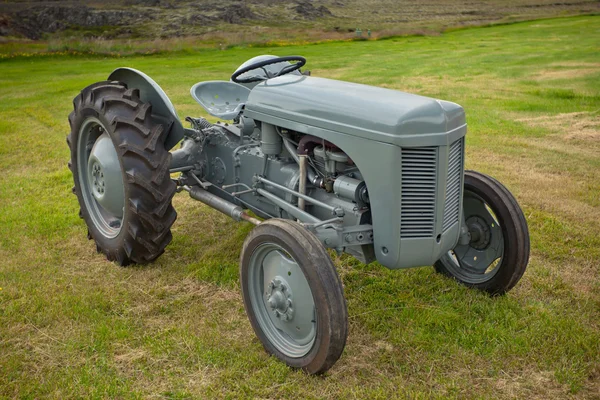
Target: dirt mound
x: 5, y: 25
x: 151, y: 3
x: 307, y: 10
x: 235, y: 14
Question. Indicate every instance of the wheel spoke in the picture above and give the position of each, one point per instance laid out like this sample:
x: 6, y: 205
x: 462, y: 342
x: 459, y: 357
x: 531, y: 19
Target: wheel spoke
x: 271, y: 266
x: 473, y: 260
x: 303, y: 322
x: 497, y: 241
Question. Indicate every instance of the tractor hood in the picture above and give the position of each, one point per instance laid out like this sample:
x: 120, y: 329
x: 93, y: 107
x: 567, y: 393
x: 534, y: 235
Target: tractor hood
x: 374, y: 113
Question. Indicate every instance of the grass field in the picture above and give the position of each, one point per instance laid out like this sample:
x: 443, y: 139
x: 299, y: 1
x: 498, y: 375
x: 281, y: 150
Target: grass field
x: 74, y: 325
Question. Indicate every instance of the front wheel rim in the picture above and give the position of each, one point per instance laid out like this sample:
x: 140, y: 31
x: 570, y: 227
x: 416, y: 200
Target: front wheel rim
x: 479, y: 260
x: 100, y: 178
x: 281, y: 300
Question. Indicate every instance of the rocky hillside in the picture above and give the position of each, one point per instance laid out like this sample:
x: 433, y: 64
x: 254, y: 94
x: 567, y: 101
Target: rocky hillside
x: 169, y: 18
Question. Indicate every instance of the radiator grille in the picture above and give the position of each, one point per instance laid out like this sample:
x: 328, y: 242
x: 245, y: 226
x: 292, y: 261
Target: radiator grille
x: 453, y: 187
x: 419, y: 173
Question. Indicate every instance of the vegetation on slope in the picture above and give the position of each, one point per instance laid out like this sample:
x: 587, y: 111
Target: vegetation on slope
x: 227, y: 22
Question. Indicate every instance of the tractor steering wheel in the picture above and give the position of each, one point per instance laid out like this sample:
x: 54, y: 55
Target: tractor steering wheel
x: 300, y: 61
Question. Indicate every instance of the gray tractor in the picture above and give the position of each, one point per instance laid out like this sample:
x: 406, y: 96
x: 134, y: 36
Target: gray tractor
x: 315, y: 164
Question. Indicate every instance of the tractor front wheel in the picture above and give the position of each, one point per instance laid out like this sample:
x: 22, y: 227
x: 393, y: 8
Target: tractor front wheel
x: 496, y: 257
x: 121, y: 173
x: 293, y: 295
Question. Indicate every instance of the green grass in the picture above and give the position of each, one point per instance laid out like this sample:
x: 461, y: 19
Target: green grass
x: 75, y: 325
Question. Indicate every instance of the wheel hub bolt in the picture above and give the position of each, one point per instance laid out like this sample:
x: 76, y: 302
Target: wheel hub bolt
x: 98, y: 178
x: 279, y: 299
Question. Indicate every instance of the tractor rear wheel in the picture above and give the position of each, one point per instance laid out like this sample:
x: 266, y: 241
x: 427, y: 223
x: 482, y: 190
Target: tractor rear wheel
x: 293, y: 296
x: 496, y: 257
x: 121, y: 173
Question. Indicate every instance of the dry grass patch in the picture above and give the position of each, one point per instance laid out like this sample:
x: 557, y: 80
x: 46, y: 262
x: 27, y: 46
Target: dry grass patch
x: 553, y: 74
x: 577, y: 64
x: 568, y: 70
x: 560, y: 144
x: 478, y: 87
x: 576, y: 126
x: 593, y: 387
x: 578, y: 275
x: 550, y: 191
x: 362, y: 353
x: 531, y: 385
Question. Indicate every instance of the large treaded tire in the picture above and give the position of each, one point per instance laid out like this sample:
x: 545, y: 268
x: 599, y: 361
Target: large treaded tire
x: 324, y: 282
x: 138, y: 138
x: 514, y: 230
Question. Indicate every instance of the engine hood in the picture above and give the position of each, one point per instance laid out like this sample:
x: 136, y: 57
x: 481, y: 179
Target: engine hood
x: 375, y: 113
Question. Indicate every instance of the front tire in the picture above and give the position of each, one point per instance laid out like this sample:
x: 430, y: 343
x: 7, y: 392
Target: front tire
x: 293, y: 296
x: 498, y: 252
x: 121, y: 173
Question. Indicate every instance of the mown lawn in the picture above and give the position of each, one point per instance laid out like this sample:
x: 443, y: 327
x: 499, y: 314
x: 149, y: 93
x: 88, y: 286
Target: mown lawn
x: 74, y: 325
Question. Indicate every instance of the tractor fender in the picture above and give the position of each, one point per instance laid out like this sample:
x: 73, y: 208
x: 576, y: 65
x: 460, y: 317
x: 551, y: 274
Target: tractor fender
x: 151, y: 93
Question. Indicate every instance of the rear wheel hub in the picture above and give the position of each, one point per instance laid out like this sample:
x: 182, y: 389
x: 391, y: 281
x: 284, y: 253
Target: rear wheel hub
x: 100, y: 177
x: 105, y: 177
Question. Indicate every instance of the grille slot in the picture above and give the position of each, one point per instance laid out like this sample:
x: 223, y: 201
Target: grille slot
x: 419, y: 166
x: 453, y: 187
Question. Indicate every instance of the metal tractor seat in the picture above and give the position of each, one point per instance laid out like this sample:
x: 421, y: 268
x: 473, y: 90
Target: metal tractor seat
x: 221, y: 99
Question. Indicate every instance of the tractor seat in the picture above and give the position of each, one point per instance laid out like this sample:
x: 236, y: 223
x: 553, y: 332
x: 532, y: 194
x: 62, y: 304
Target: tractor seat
x: 222, y: 99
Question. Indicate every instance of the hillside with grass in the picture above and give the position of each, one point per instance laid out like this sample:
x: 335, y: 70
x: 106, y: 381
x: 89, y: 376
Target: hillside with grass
x: 235, y: 21
x: 75, y: 325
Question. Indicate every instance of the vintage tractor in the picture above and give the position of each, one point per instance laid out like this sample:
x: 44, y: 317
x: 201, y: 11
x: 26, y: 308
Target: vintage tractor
x: 320, y: 164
